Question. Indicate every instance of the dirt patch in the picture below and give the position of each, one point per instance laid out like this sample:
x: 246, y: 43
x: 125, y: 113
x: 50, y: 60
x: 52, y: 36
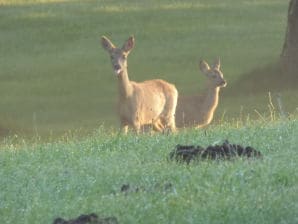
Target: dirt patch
x: 87, y: 219
x: 186, y: 153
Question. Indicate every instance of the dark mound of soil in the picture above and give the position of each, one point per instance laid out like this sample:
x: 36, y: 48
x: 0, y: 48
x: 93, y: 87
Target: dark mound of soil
x: 187, y: 153
x: 87, y: 219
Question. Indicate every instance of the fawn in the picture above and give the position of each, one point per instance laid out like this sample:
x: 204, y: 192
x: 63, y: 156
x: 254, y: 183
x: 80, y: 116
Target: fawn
x: 152, y: 102
x: 197, y: 111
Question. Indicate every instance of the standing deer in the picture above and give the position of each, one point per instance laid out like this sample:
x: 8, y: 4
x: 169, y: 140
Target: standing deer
x: 152, y: 102
x: 197, y: 111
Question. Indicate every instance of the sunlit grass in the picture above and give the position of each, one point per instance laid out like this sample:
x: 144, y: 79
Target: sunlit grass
x: 69, y: 177
x: 54, y: 77
x: 27, y: 2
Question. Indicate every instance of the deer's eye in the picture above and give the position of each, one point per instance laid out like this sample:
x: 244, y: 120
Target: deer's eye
x: 214, y: 76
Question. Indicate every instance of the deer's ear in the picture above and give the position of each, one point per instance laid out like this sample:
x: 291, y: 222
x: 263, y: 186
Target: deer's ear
x: 204, y: 66
x: 129, y: 44
x: 216, y: 64
x: 107, y: 44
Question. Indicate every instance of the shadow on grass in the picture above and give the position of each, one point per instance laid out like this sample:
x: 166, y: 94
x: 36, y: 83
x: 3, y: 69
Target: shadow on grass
x: 3, y: 131
x: 266, y: 79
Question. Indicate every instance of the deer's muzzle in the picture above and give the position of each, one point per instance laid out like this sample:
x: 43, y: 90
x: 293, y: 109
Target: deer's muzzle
x: 117, y: 69
x: 223, y: 83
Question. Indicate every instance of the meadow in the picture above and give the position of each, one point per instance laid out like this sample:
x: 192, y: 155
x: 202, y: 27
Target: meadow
x: 66, y: 178
x: 61, y: 153
x: 56, y: 77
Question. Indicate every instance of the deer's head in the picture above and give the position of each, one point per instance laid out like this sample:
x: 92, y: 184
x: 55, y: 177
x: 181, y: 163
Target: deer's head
x: 213, y: 73
x: 118, y: 55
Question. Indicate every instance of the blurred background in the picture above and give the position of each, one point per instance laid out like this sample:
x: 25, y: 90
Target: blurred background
x: 55, y: 76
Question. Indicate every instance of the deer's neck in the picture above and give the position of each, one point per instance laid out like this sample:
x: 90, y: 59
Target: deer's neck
x: 199, y: 109
x: 125, y: 87
x: 209, y: 102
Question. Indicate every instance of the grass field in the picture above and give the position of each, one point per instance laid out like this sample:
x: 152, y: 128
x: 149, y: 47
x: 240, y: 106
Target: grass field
x: 58, y: 90
x: 55, y: 76
x: 40, y: 181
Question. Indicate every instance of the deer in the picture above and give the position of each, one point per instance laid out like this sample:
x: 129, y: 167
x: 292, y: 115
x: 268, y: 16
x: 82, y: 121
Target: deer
x: 197, y: 110
x: 141, y: 104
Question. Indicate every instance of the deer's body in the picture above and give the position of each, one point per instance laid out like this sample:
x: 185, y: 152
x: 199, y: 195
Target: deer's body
x: 151, y: 102
x: 198, y: 110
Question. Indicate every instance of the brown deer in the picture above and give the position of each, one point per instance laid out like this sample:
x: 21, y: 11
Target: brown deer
x: 197, y: 111
x: 152, y: 102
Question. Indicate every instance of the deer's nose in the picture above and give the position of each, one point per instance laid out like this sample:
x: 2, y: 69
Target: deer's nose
x: 223, y: 83
x: 117, y: 67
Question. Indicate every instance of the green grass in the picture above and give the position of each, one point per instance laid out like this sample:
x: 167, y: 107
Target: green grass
x: 55, y: 76
x: 40, y: 181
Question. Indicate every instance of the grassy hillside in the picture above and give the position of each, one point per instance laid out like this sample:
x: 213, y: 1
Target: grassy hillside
x: 55, y: 76
x: 40, y: 181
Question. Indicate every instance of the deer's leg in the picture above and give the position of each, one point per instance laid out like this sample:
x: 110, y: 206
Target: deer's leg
x: 123, y: 126
x: 158, y: 126
x: 147, y: 128
x: 124, y: 129
x: 170, y: 123
x: 136, y: 126
x: 168, y: 117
